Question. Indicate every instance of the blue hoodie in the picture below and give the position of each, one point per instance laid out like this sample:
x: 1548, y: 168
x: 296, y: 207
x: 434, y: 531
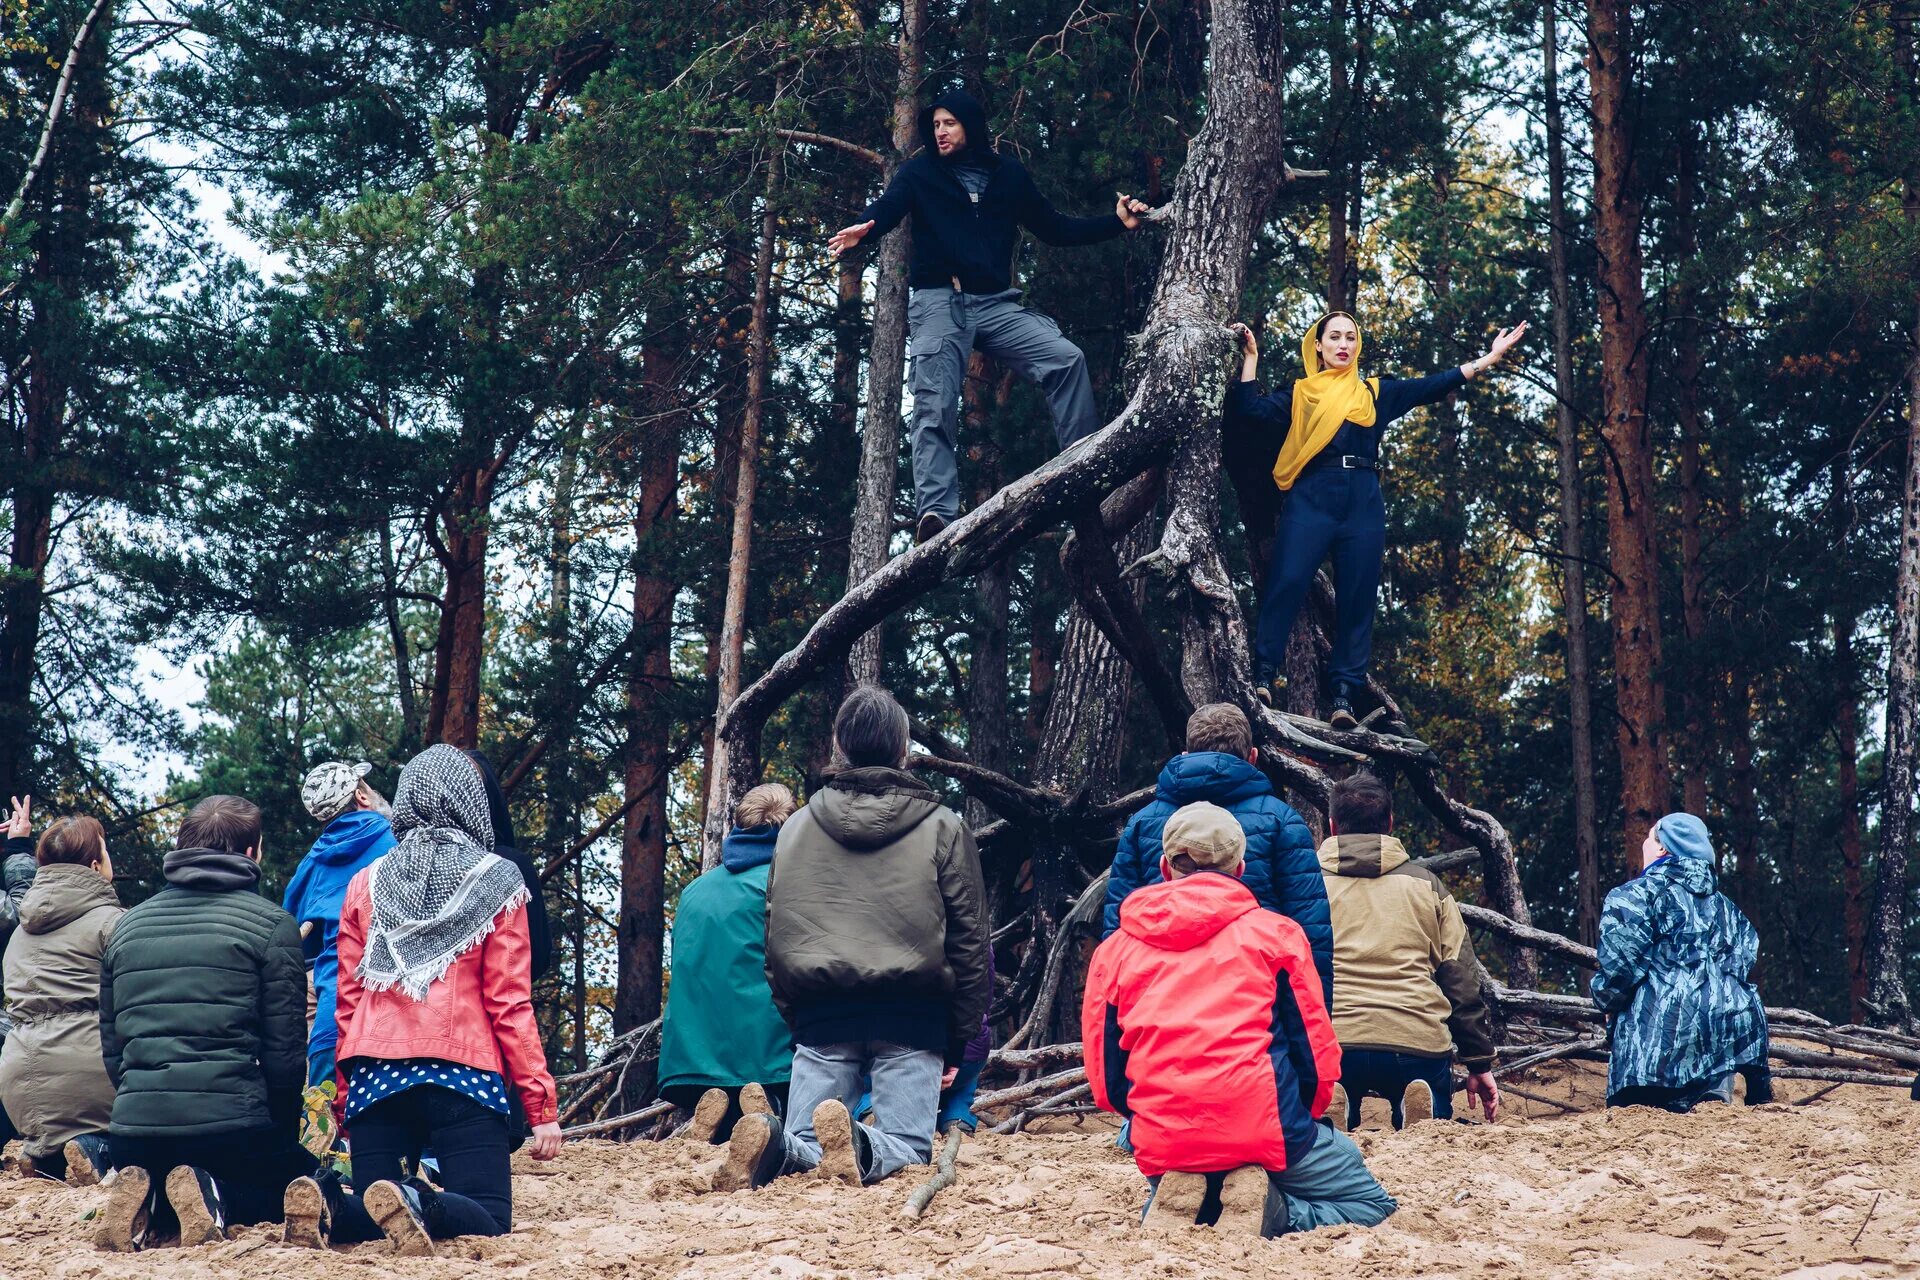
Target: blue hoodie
x: 1283, y: 869
x: 318, y: 891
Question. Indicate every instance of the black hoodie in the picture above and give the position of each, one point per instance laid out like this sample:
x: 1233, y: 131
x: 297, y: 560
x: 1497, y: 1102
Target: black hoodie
x: 953, y: 237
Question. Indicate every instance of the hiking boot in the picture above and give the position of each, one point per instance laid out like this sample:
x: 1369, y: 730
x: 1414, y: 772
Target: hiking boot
x: 1243, y: 1202
x: 195, y: 1198
x: 1416, y: 1103
x: 1175, y: 1203
x: 754, y: 1101
x: 707, y: 1115
x: 308, y: 1218
x: 1337, y: 1108
x: 397, y: 1211
x: 1267, y: 683
x: 86, y: 1158
x: 756, y: 1154
x: 930, y: 527
x: 122, y: 1226
x: 845, y: 1152
x: 1341, y: 715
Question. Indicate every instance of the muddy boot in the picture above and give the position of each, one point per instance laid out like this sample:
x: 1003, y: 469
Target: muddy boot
x: 756, y: 1154
x: 1175, y: 1203
x: 1341, y: 716
x: 86, y: 1158
x: 304, y: 1209
x: 707, y: 1115
x: 195, y: 1198
x: 1243, y: 1202
x: 1416, y: 1103
x: 1267, y: 683
x: 844, y: 1153
x: 122, y: 1226
x: 401, y: 1219
x: 1337, y: 1108
x: 754, y: 1101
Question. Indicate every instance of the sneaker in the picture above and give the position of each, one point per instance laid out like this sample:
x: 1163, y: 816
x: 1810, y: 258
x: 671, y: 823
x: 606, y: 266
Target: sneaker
x: 1243, y: 1201
x: 754, y: 1101
x: 1267, y: 683
x: 309, y: 1224
x: 1176, y: 1203
x: 86, y: 1158
x: 397, y: 1211
x: 707, y: 1115
x: 122, y: 1226
x: 756, y: 1154
x: 195, y: 1198
x: 1416, y: 1103
x: 1337, y: 1108
x: 844, y: 1150
x: 930, y: 527
x: 1341, y: 716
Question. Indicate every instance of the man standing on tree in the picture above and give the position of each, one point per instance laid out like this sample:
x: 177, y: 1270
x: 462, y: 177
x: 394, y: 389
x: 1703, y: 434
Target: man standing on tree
x: 968, y: 204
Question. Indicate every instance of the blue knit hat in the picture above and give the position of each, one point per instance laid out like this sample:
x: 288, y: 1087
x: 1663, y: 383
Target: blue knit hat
x: 1684, y: 836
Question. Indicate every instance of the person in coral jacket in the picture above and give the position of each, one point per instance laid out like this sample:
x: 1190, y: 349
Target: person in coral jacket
x: 1205, y: 1025
x: 435, y: 1010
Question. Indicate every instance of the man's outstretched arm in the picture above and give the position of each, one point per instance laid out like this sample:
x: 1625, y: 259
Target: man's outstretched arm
x: 878, y: 218
x: 1038, y: 215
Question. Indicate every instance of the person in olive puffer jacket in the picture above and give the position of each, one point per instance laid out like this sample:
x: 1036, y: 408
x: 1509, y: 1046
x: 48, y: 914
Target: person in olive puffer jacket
x: 877, y: 943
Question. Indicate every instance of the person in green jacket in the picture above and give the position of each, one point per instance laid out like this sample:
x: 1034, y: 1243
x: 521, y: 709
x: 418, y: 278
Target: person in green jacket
x: 724, y: 1049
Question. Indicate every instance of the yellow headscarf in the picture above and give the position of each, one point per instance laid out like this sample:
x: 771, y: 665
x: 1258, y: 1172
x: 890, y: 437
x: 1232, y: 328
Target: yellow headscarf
x: 1323, y: 400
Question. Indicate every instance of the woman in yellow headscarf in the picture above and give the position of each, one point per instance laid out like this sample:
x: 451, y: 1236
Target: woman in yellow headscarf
x: 1327, y: 465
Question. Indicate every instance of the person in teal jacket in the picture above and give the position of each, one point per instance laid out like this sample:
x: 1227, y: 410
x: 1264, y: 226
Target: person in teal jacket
x: 724, y: 1048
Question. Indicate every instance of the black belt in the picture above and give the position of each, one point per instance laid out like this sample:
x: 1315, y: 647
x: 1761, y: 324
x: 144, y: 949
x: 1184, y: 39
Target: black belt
x: 1341, y: 462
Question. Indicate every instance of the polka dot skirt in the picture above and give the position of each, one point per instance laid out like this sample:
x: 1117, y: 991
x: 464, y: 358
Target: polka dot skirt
x: 377, y: 1079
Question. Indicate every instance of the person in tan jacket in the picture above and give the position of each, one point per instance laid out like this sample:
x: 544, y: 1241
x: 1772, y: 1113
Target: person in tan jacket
x: 1406, y: 984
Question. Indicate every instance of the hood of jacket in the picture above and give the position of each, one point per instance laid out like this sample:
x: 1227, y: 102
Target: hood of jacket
x: 1693, y: 873
x: 210, y: 870
x: 748, y: 847
x: 61, y: 894
x: 869, y: 808
x: 1365, y: 857
x: 1219, y: 777
x: 972, y: 117
x: 348, y: 843
x: 345, y: 840
x: 1182, y: 914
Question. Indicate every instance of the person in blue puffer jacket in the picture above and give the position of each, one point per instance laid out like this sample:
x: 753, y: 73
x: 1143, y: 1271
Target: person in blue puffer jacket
x: 1282, y: 868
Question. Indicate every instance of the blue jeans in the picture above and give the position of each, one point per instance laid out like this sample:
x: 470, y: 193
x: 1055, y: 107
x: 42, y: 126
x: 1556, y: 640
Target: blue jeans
x: 1327, y: 510
x: 1385, y: 1074
x: 1326, y: 1187
x: 956, y: 1100
x: 906, y: 1100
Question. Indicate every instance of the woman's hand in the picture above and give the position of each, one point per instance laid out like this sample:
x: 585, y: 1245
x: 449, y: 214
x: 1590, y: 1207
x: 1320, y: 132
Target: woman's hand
x: 1503, y: 342
x: 546, y: 1140
x: 1249, y: 350
x: 20, y: 821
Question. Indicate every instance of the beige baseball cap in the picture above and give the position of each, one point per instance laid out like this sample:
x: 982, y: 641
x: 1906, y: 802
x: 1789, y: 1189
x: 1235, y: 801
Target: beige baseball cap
x: 1207, y: 834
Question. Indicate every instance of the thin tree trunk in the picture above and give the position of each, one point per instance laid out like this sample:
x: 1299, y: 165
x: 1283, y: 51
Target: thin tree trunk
x: 886, y: 367
x: 559, y: 754
x: 1687, y: 371
x: 1637, y: 652
x: 988, y: 387
x: 1846, y: 729
x: 1340, y: 100
x: 402, y: 647
x: 1573, y: 572
x: 460, y: 653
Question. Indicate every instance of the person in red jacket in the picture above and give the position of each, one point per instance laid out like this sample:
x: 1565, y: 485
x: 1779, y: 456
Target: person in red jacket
x: 1205, y: 1025
x: 436, y: 1025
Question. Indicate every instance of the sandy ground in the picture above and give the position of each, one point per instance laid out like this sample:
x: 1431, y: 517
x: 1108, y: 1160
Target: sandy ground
x: 1829, y: 1189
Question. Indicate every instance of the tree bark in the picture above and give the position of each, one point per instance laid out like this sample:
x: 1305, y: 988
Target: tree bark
x: 886, y: 367
x: 1341, y: 100
x: 460, y: 650
x: 1688, y: 364
x: 1637, y: 651
x: 1573, y: 571
x: 988, y: 387
x: 1846, y: 729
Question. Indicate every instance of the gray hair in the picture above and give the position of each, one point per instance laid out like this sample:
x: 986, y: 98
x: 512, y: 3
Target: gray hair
x: 872, y: 729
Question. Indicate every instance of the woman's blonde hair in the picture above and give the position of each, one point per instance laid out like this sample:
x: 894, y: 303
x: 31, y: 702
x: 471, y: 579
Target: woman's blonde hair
x: 767, y: 805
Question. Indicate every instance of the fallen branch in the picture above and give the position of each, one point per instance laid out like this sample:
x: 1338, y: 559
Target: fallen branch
x: 1518, y: 1092
x: 641, y: 1116
x: 946, y: 1170
x: 1039, y: 1056
x: 1567, y: 1050
x: 1023, y: 1093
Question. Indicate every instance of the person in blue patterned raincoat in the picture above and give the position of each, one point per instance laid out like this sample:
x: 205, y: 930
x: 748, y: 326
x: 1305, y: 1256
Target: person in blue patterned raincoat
x: 1675, y: 955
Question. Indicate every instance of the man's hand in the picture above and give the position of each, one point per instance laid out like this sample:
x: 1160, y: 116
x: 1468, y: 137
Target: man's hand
x: 1128, y: 210
x: 1481, y: 1088
x: 546, y: 1140
x: 847, y: 237
x: 948, y: 1076
x: 20, y: 821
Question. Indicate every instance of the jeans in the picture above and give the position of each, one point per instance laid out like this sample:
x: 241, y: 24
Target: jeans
x: 1679, y: 1099
x: 1327, y: 510
x: 956, y: 1100
x: 1326, y: 1187
x: 251, y: 1169
x: 906, y: 1100
x: 1385, y: 1074
x: 946, y: 326
x: 470, y: 1142
x: 688, y: 1095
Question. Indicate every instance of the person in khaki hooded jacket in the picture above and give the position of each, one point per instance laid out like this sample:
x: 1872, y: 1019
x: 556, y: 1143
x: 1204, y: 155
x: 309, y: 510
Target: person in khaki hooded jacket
x: 1405, y: 981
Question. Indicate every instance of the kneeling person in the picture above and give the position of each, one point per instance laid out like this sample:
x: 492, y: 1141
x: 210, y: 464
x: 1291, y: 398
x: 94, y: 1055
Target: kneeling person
x: 1224, y: 1093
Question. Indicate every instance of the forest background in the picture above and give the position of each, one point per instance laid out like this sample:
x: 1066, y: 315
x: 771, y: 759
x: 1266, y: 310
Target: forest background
x: 453, y: 425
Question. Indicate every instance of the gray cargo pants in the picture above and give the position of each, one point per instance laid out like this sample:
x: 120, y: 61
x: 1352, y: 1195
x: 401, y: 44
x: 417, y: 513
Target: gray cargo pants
x: 946, y: 325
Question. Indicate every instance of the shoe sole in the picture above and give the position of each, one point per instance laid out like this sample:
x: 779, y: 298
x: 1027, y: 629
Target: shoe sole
x: 753, y: 1101
x: 1337, y: 1108
x: 1344, y: 720
x: 1416, y: 1103
x: 707, y: 1115
x: 1176, y: 1203
x: 80, y: 1170
x: 197, y: 1224
x: 303, y: 1208
x: 1243, y: 1201
x: 389, y: 1211
x: 833, y: 1130
x: 120, y: 1222
x: 744, y: 1149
